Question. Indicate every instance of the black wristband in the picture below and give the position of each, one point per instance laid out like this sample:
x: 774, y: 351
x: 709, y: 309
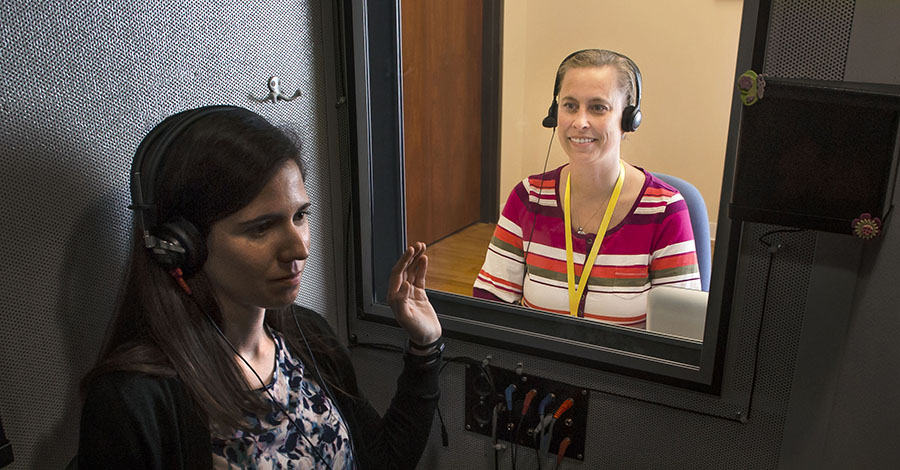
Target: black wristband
x: 425, y: 361
x: 426, y: 347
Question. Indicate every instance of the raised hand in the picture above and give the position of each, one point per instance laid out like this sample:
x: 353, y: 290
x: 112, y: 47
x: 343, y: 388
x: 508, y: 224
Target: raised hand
x: 407, y: 298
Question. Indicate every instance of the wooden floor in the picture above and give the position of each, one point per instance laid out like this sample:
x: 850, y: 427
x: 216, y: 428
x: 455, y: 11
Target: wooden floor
x: 454, y: 261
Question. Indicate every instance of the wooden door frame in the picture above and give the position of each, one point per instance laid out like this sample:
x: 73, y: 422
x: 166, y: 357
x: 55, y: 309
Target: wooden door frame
x: 491, y: 86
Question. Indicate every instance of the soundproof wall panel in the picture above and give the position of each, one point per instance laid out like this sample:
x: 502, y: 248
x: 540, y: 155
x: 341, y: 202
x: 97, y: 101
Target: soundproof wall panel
x: 874, y: 51
x: 808, y: 39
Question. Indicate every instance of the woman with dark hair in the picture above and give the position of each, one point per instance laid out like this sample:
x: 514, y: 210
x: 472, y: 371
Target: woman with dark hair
x: 207, y: 363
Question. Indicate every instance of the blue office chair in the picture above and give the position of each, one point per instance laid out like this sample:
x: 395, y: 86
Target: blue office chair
x: 699, y: 222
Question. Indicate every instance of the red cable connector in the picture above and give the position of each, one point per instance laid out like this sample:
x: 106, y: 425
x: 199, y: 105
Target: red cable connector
x: 561, y: 453
x: 528, y: 398
x: 563, y: 408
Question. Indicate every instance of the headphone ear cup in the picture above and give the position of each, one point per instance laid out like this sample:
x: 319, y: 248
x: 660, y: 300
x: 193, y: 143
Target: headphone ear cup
x: 631, y: 118
x: 184, y: 234
x: 551, y: 119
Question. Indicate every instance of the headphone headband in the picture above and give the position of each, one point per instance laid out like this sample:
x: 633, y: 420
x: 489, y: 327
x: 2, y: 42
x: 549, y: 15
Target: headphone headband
x: 631, y: 115
x: 176, y: 243
x: 150, y: 154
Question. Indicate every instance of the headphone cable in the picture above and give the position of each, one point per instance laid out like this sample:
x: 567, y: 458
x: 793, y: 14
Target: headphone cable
x: 322, y: 381
x: 266, y: 389
x: 534, y: 216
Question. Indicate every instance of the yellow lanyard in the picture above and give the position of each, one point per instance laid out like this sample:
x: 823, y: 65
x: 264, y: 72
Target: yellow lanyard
x: 575, y: 294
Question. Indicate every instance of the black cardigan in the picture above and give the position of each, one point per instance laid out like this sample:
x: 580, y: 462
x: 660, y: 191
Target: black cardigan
x: 136, y: 421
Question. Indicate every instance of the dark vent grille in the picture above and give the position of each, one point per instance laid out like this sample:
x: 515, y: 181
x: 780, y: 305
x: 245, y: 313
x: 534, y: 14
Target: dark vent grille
x: 809, y: 39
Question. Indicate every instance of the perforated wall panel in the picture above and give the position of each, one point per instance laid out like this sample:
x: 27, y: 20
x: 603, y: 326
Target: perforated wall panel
x: 809, y: 39
x: 80, y: 83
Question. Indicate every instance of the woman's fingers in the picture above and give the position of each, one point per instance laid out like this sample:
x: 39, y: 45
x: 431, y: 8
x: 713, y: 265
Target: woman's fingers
x: 421, y: 269
x: 414, y: 263
x: 400, y: 268
x: 403, y: 290
x: 409, y: 271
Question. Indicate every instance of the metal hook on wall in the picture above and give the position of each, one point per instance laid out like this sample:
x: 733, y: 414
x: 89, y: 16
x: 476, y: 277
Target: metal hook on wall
x: 275, y: 93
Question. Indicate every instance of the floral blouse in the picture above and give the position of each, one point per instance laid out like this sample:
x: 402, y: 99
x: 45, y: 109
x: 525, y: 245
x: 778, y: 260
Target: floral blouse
x: 274, y: 442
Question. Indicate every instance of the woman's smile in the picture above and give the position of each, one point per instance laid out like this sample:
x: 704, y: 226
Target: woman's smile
x: 582, y: 140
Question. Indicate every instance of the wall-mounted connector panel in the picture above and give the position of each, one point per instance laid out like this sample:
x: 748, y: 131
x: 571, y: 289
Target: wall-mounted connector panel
x: 487, y: 388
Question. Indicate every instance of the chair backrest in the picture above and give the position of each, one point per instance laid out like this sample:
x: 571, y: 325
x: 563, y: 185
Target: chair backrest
x: 699, y: 222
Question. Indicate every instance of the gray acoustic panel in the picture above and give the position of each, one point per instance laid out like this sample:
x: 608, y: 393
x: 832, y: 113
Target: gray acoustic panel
x: 808, y: 39
x: 862, y: 426
x: 874, y: 51
x: 82, y: 82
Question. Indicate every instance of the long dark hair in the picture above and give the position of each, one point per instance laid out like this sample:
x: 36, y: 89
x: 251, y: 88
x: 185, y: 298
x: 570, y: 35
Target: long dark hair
x: 212, y: 169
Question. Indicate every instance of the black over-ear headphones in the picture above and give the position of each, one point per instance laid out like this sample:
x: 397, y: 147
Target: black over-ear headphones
x: 173, y: 243
x: 631, y: 115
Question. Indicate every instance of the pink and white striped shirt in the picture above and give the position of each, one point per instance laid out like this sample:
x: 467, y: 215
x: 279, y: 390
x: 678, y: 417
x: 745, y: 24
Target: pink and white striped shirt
x: 652, y: 246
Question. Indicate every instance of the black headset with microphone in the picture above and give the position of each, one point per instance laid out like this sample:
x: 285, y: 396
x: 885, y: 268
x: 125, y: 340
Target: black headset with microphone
x: 631, y: 115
